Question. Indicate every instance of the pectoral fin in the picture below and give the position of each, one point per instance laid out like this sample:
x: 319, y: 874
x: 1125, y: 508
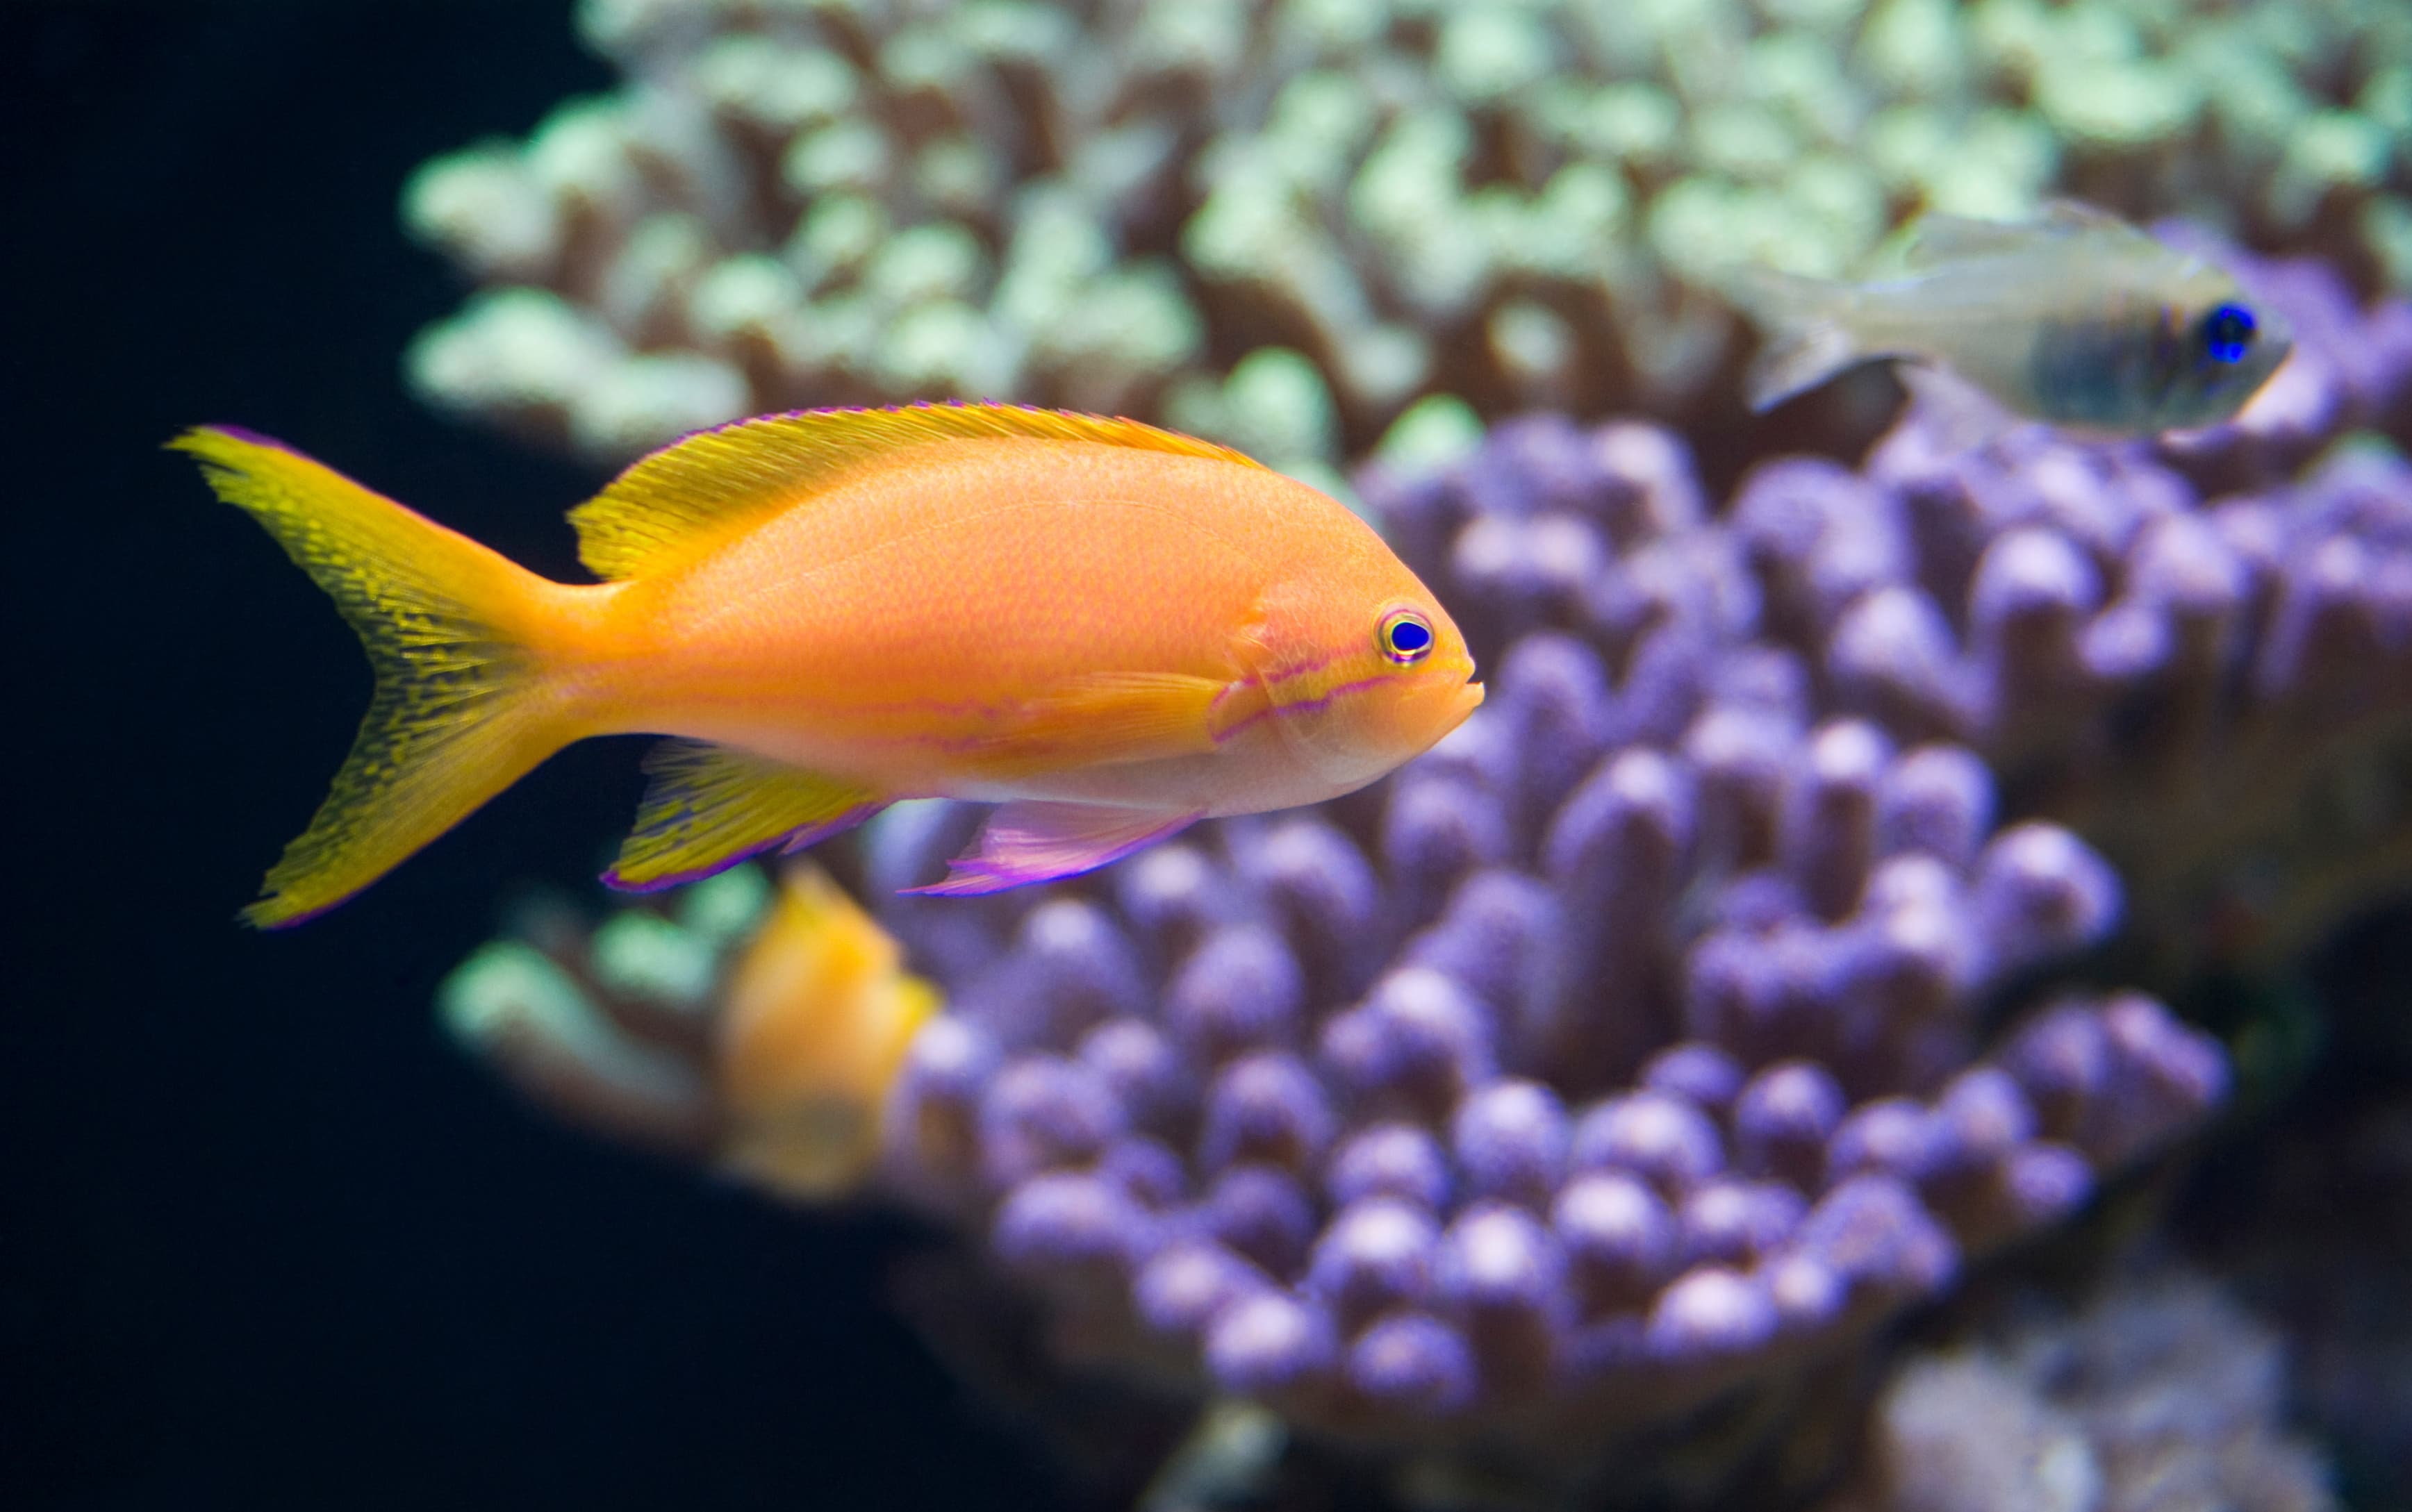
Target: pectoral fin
x: 1031, y: 840
x: 709, y: 807
x: 1102, y: 719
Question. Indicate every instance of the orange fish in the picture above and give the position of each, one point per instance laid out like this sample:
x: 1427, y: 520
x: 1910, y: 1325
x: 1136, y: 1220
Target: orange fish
x: 1112, y: 630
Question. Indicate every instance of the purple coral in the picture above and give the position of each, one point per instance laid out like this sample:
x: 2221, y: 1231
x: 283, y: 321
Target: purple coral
x: 1636, y: 1039
x: 1629, y: 1040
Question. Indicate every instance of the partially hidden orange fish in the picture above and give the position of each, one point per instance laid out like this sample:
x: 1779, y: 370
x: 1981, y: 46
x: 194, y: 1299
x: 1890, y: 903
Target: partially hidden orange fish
x: 1112, y: 630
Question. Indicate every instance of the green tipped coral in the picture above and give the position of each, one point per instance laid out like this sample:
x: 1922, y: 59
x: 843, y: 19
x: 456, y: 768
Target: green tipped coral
x: 611, y: 1031
x: 517, y: 1008
x: 1171, y: 209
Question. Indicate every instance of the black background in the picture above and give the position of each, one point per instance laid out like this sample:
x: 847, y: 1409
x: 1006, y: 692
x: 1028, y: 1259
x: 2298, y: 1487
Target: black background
x: 269, y: 1239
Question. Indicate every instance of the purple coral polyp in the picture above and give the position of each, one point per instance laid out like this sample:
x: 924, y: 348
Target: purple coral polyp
x: 1414, y: 1365
x: 1376, y: 1254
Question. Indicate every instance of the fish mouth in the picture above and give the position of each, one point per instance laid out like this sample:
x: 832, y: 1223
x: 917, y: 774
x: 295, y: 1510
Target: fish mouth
x: 1460, y: 703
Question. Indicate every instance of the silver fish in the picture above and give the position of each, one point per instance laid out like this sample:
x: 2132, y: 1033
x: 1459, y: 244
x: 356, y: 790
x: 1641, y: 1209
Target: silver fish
x: 2076, y: 318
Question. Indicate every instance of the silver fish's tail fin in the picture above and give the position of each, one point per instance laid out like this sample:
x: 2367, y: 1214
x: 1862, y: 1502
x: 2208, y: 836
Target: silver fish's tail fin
x: 1805, y: 332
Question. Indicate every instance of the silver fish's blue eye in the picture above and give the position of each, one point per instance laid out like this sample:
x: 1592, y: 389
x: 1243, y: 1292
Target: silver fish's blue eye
x: 1405, y: 636
x: 2227, y: 332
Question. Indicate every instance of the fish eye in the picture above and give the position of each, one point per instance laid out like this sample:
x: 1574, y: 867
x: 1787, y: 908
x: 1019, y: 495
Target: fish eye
x: 1405, y: 636
x: 2227, y: 332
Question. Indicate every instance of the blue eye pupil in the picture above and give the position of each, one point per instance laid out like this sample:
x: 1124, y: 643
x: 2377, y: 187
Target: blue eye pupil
x: 1407, y: 637
x: 2227, y: 332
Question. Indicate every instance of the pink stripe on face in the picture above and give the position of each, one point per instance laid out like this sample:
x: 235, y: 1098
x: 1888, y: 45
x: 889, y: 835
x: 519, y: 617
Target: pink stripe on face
x: 1306, y: 706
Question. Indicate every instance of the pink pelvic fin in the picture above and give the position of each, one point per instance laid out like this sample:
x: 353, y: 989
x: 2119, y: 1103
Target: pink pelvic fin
x: 1030, y: 840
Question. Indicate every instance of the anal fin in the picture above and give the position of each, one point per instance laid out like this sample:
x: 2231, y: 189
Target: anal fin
x: 1958, y: 415
x: 1035, y: 840
x: 709, y: 807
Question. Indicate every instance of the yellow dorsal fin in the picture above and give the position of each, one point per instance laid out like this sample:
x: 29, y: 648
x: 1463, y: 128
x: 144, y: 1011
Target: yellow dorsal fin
x: 688, y: 497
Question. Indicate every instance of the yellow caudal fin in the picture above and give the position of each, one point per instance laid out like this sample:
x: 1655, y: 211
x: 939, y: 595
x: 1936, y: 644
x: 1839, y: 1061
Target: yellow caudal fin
x: 461, y: 709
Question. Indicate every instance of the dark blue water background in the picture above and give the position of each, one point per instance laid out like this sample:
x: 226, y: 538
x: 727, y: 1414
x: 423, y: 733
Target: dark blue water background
x: 269, y: 1241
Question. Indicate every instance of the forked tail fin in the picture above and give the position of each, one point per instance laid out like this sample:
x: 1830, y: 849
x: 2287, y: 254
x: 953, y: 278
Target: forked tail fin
x: 463, y: 706
x: 1804, y: 335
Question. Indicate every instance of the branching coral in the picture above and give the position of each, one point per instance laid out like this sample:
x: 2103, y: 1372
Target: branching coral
x: 1280, y: 221
x: 1382, y: 1207
x: 1627, y: 1047
x: 1527, y: 1182
x: 1621, y: 1048
x: 2161, y: 1395
x: 1635, y: 1045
